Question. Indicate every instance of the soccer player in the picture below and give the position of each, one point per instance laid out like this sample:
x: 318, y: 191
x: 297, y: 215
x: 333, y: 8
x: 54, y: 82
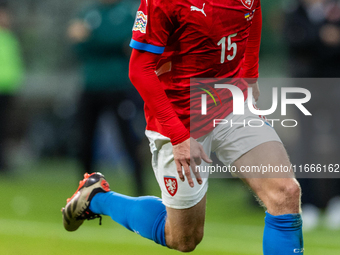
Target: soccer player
x: 172, y: 42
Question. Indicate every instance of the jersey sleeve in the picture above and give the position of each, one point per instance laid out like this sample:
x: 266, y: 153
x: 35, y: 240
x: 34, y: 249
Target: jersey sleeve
x: 143, y: 77
x: 152, y: 27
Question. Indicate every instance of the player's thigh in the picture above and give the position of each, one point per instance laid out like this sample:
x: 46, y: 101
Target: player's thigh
x: 266, y: 160
x: 185, y: 225
x: 261, y: 160
x: 274, y: 182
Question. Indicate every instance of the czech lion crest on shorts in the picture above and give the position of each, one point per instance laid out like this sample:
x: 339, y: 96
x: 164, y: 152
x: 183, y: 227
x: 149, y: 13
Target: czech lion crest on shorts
x: 171, y: 185
x: 248, y: 3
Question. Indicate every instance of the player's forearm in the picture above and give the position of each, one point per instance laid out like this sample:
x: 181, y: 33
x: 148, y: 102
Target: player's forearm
x: 143, y: 77
x: 251, y: 62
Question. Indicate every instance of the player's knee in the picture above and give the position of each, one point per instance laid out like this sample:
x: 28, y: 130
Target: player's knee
x: 292, y: 190
x: 287, y: 195
x: 198, y: 236
x: 186, y: 247
x: 188, y: 243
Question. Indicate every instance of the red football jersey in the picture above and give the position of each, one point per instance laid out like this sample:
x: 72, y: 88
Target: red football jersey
x: 197, y: 39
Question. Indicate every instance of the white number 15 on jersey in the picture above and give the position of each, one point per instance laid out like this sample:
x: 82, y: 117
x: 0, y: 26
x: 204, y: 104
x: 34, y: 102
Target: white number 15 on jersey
x: 230, y: 46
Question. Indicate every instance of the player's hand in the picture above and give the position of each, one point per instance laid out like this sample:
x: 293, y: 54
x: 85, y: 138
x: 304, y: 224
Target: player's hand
x: 256, y: 90
x: 186, y: 154
x: 78, y: 31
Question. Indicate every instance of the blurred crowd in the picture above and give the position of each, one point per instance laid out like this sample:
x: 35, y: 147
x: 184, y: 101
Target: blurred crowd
x: 76, y: 100
x: 312, y: 33
x: 100, y: 36
x: 11, y: 72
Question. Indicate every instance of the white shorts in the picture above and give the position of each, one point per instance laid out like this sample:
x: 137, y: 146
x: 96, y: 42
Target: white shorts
x: 228, y: 142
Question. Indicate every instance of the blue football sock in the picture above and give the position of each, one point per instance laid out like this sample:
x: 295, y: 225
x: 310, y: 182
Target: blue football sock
x: 283, y: 235
x: 144, y: 215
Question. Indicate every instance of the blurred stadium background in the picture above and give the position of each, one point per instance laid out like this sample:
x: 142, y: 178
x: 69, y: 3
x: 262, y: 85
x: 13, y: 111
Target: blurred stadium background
x: 43, y: 171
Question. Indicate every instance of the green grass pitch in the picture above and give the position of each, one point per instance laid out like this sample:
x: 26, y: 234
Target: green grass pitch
x: 30, y: 218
